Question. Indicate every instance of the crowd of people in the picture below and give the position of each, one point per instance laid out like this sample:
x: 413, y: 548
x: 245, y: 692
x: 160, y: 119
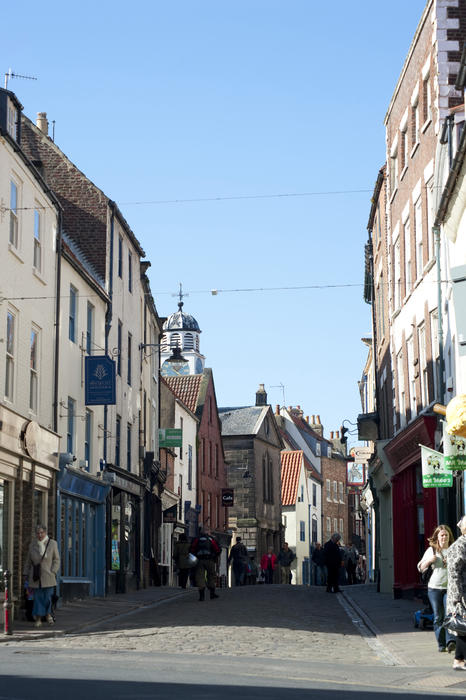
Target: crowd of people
x: 443, y: 565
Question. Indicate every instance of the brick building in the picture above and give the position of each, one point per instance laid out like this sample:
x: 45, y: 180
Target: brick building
x: 401, y: 284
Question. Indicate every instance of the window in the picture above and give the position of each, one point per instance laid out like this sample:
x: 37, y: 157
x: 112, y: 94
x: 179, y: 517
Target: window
x: 181, y: 447
x: 341, y: 529
x: 302, y: 530
x: 130, y: 272
x: 190, y: 467
x: 407, y: 237
x: 430, y: 212
x: 421, y: 334
x: 419, y: 249
x: 210, y: 458
x: 267, y: 479
x: 314, y: 495
x: 119, y: 346
x: 341, y: 493
x: 397, y: 275
x: 394, y: 170
x: 37, y: 241
x: 72, y: 314
x: 301, y: 496
x: 130, y: 357
x: 188, y: 341
x: 335, y: 491
x: 404, y: 149
x: 380, y: 308
x: 335, y: 525
x: 216, y: 461
x: 117, y: 441
x: 10, y: 355
x: 90, y: 328
x: 415, y: 124
x: 70, y: 427
x: 14, y: 226
x: 401, y: 388
x: 88, y: 439
x: 33, y: 370
x: 328, y: 526
x: 327, y: 487
x: 175, y: 340
x: 411, y: 379
x: 202, y: 455
x: 12, y: 120
x: 426, y: 99
x: 120, y: 256
x: 128, y: 446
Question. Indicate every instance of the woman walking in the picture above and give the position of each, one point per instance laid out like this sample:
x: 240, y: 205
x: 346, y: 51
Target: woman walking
x: 435, y: 559
x: 456, y: 597
x: 42, y: 566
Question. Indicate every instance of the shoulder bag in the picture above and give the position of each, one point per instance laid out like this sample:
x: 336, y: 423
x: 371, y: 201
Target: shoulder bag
x: 36, y: 567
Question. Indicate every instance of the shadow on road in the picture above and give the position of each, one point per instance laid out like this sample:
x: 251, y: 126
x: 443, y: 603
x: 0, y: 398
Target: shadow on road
x: 20, y: 688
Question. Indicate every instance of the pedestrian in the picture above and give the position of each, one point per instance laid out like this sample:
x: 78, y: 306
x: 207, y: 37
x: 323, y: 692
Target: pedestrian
x: 351, y: 564
x: 41, y: 569
x: 456, y: 590
x: 181, y: 559
x: 435, y: 560
x: 239, y: 557
x: 318, y: 559
x: 333, y: 561
x: 285, y: 557
x: 252, y: 572
x: 207, y: 550
x: 268, y: 565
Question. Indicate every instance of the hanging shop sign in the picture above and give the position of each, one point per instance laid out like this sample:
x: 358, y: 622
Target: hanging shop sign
x: 434, y: 472
x: 228, y: 498
x: 454, y: 449
x: 100, y: 380
x: 170, y: 437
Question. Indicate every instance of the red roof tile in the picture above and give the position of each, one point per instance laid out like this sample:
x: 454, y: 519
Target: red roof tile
x: 186, y: 389
x: 291, y: 467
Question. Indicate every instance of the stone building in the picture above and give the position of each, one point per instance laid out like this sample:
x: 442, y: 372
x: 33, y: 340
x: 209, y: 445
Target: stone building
x: 252, y: 445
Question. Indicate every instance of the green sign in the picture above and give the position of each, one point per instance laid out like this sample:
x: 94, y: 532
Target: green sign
x: 170, y: 437
x: 434, y: 473
x: 454, y: 448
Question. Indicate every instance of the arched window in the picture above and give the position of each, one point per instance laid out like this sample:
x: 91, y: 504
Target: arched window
x: 188, y: 341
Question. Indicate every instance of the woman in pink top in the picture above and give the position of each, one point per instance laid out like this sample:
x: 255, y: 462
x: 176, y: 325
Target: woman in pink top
x: 268, y: 565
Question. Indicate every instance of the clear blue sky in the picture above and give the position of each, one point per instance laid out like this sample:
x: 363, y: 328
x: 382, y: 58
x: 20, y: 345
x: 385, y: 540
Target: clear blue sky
x: 202, y: 99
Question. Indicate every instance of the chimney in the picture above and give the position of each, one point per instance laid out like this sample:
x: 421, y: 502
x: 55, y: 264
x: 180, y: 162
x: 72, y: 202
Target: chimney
x: 307, y: 419
x: 317, y: 426
x: 337, y: 434
x: 331, y: 435
x: 313, y: 420
x: 261, y: 396
x: 42, y: 122
x: 277, y: 409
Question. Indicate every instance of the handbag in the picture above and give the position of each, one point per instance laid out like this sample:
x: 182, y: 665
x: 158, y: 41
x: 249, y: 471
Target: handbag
x: 36, y: 572
x: 425, y: 575
x: 191, y: 561
x: 456, y: 621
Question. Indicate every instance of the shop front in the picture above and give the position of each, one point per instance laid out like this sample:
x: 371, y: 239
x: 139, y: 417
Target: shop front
x: 414, y: 507
x: 81, y: 510
x: 28, y: 468
x: 125, y: 523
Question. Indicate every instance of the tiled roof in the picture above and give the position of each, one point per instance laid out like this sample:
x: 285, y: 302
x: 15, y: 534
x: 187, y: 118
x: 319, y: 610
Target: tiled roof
x: 292, y: 461
x: 186, y: 389
x: 288, y: 440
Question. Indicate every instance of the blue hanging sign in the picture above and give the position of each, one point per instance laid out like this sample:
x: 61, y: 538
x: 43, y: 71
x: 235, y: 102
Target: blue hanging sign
x: 100, y: 380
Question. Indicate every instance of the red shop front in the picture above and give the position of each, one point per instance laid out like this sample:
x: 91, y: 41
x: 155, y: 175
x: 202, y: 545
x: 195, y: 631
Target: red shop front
x: 414, y: 508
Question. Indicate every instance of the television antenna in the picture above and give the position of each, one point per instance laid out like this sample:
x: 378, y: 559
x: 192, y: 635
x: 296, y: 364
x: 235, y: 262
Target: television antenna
x: 11, y: 74
x: 282, y: 387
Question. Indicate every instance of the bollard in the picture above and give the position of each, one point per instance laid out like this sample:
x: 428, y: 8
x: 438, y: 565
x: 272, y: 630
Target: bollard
x: 7, y: 605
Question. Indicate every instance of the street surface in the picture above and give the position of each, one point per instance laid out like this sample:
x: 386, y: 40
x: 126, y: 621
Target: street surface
x: 274, y: 642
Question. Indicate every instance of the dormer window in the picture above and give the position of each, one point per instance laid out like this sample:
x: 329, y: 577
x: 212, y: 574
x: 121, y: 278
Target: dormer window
x: 10, y: 115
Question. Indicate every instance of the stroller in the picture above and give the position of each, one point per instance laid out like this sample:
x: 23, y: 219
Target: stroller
x: 424, y: 618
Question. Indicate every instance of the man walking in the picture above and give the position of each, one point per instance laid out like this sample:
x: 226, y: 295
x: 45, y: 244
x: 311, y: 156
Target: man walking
x: 318, y: 559
x: 207, y: 550
x: 285, y: 557
x: 239, y: 556
x: 333, y: 562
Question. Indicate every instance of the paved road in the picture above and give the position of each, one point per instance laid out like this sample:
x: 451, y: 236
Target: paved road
x: 253, y: 642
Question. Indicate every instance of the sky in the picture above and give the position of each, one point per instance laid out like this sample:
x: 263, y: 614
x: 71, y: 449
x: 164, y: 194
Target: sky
x: 241, y: 139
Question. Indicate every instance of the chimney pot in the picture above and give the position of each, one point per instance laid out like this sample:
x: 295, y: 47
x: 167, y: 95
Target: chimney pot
x: 313, y: 419
x: 307, y: 419
x: 331, y: 435
x: 277, y: 409
x: 42, y: 122
x: 318, y: 420
x: 337, y: 434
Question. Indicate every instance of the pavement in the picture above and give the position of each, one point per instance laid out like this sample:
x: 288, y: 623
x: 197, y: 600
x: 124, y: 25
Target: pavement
x: 387, y: 625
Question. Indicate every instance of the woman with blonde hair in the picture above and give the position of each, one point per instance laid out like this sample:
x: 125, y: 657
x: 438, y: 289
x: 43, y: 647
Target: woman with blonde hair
x: 435, y: 559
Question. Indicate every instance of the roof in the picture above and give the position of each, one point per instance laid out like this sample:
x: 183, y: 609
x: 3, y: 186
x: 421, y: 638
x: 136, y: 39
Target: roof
x: 287, y: 439
x: 181, y: 321
x: 186, y: 389
x: 292, y: 461
x: 240, y: 421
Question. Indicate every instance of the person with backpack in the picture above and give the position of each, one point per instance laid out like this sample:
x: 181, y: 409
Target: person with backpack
x: 207, y: 550
x: 434, y: 565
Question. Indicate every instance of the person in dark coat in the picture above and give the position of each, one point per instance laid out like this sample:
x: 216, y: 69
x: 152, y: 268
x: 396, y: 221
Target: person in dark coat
x: 239, y: 557
x: 180, y: 557
x: 207, y: 550
x: 285, y: 558
x: 318, y: 559
x: 333, y: 562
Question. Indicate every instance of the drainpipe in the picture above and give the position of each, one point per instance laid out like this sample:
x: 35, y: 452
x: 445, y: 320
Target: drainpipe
x: 108, y: 316
x: 57, y: 323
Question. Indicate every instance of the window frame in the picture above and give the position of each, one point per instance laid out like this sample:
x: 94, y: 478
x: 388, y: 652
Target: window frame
x: 73, y: 314
x: 37, y: 251
x: 10, y: 354
x: 34, y: 350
